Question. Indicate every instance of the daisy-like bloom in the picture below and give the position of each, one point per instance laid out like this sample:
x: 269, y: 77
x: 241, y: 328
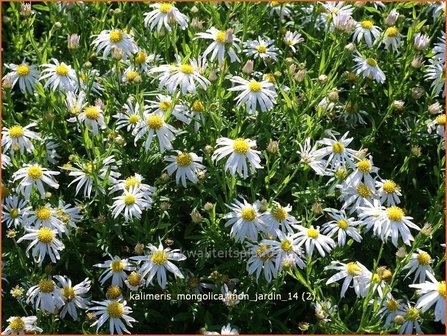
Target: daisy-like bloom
x: 164, y: 15
x: 432, y: 293
x: 134, y: 181
x: 352, y: 114
x: 164, y: 104
x: 371, y: 282
x: 336, y: 8
x: 67, y: 214
x: 34, y: 174
x: 244, y: 220
x: 419, y: 264
x: 342, y: 22
x: 310, y: 156
x: 44, y: 242
x: 421, y: 41
x: 196, y: 284
x: 114, y: 311
x: 115, y: 268
x: 254, y: 93
x: 157, y: 262
x: 226, y: 330
x: 46, y: 216
x: 45, y: 296
x: 183, y: 75
x: 435, y: 72
x: 412, y: 316
x: 285, y: 251
x: 75, y: 103
x: 25, y: 74
x: 392, y: 39
x: 351, y: 272
x: 73, y: 296
x: 92, y: 117
x: 337, y: 151
x: 262, y: 48
x: 6, y: 161
x: 354, y: 196
x: 131, y: 75
x: 134, y: 281
x: 221, y: 41
x: 390, y: 308
x: 17, y: 138
x: 154, y: 124
x: 185, y: 166
x: 311, y: 238
x: 388, y: 191
x: 108, y: 40
x: 280, y: 8
x: 438, y: 124
x: 89, y: 79
x: 366, y: 29
x: 143, y: 61
x: 439, y: 49
x: 292, y: 39
x: 323, y: 310
x: 240, y: 150
x: 362, y: 173
x: 261, y: 260
x: 51, y: 152
x: 279, y: 218
x: 197, y: 114
x: 132, y: 202
x: 59, y: 76
x: 15, y: 211
x: 18, y: 325
x: 368, y: 68
x: 129, y: 116
x: 341, y: 226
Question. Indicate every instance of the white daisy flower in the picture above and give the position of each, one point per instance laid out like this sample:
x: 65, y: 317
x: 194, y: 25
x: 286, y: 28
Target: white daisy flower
x: 412, y: 316
x: 15, y: 212
x: 352, y: 114
x: 132, y: 202
x: 34, y: 174
x: 323, y: 310
x: 341, y: 226
x: 244, y: 220
x: 439, y: 49
x: 6, y: 161
x: 438, y: 124
x: 366, y: 30
x: 93, y: 118
x: 388, y: 192
x: 90, y: 81
x: 75, y: 103
x: 134, y: 181
x: 154, y: 124
x: 392, y: 39
x: 45, y: 296
x: 282, y: 9
x: 419, y: 264
x: 144, y: 62
x: 309, y: 155
x: 435, y: 72
x: 355, y: 195
x: 240, y: 150
x: 292, y: 39
x: 185, y: 166
x: 351, y: 272
x: 367, y: 280
x: 108, y: 40
x: 421, y: 41
x: 362, y: 173
x: 46, y: 216
x: 390, y: 308
x: 343, y: 22
x: 67, y: 214
x: 131, y: 75
x: 51, y: 152
x: 261, y: 261
x: 59, y: 76
x: 164, y: 104
x: 368, y: 68
x: 279, y: 218
x: 73, y: 296
x: 25, y: 74
x: 157, y: 262
x: 114, y: 311
x: 285, y: 250
x: 432, y: 294
x: 221, y: 41
x: 115, y: 268
x: 18, y: 325
x: 129, y: 116
x: 134, y: 281
x: 337, y: 151
x: 312, y: 238
x: 262, y: 48
x: 196, y: 113
x: 17, y: 138
x: 164, y: 15
x: 226, y: 330
x: 254, y: 93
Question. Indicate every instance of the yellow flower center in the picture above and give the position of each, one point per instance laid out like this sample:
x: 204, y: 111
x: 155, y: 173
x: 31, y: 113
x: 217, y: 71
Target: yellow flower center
x: 342, y: 224
x: 159, y: 257
x: 129, y: 199
x: 134, y: 279
x: 14, y: 213
x: 255, y: 86
x: 92, y: 112
x: 363, y: 190
x: 376, y: 278
x: 260, y: 253
x: 45, y: 235
x: 364, y: 166
x: 165, y: 7
x: 134, y: 118
x: 184, y: 159
x: 392, y: 31
x: 83, y: 76
x: 412, y: 314
x: 186, y: 69
x: 23, y: 70
x: 351, y: 107
x: 392, y: 305
x: 164, y: 105
x: 131, y: 182
x: 154, y: 121
x: 62, y: 70
x: 274, y: 3
x: 338, y: 147
x: 140, y: 58
x: 89, y: 168
x: 440, y: 120
x: 441, y: 289
x: 261, y: 48
x: 17, y: 325
x: 286, y: 245
x: 341, y: 173
x: 115, y: 36
x: 43, y: 214
x: 353, y: 269
x: 312, y: 233
x: 424, y: 258
x: 248, y: 214
x: 16, y: 131
x: 46, y: 286
x: 371, y: 62
x: 117, y: 266
x: 395, y: 213
x: 131, y: 75
x: 35, y: 172
x: 270, y: 77
x: 197, y: 106
x: 366, y: 24
x: 241, y: 146
x: 389, y: 187
x: 220, y: 37
x: 68, y: 293
x: 115, y: 309
x: 279, y: 214
x: 113, y: 292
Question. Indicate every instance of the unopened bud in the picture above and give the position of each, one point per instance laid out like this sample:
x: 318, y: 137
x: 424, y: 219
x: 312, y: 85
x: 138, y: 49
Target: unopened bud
x: 417, y: 62
x: 392, y: 17
x: 401, y: 252
x: 427, y: 230
x: 399, y: 105
x: 73, y: 41
x: 417, y: 92
x: 196, y: 217
x: 317, y: 208
x: 248, y: 67
x: 435, y: 108
x: 208, y: 206
x: 322, y: 78
x: 299, y: 76
x: 139, y: 249
x: 273, y: 147
x: 213, y: 75
x: 350, y: 47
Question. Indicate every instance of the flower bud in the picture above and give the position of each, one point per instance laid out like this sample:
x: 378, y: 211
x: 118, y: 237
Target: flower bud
x: 25, y: 9
x: 333, y: 96
x: 57, y: 24
x: 208, y: 206
x: 213, y: 75
x: 229, y: 37
x: 194, y: 10
x: 435, y: 108
x: 392, y: 17
x: 317, y: 208
x: 350, y: 47
x: 417, y: 92
x: 273, y: 147
x: 401, y: 252
x: 196, y: 217
x: 196, y: 24
x: 165, y: 206
x: 139, y: 249
x: 322, y: 79
x: 399, y: 105
x: 416, y: 151
x: 420, y: 41
x: 208, y: 149
x: 299, y: 76
x: 427, y: 230
x: 417, y: 62
x: 73, y: 41
x: 248, y: 67
x: 399, y: 319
